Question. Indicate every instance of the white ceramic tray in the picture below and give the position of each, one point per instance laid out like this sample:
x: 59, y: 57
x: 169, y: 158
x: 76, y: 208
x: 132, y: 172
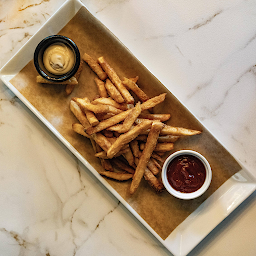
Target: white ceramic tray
x: 202, y: 221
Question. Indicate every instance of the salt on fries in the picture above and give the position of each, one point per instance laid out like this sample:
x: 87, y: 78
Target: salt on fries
x: 126, y: 136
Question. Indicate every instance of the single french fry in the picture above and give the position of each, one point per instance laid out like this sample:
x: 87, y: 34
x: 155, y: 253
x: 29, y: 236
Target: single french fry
x: 116, y: 80
x: 120, y: 164
x: 135, y: 148
x: 127, y: 137
x: 114, y: 110
x: 160, y: 147
x: 77, y: 111
x: 91, y: 117
x: 178, y: 131
x: 117, y: 175
x: 167, y: 138
x: 146, y: 154
x: 85, y: 104
x: 94, y: 65
x: 129, y: 120
x: 152, y: 167
x: 153, y: 102
x: 78, y: 128
x: 153, y: 181
x: 101, y: 87
x: 113, y: 92
x: 110, y: 102
x: 159, y: 117
x: 72, y: 80
x: 129, y: 156
x: 135, y: 88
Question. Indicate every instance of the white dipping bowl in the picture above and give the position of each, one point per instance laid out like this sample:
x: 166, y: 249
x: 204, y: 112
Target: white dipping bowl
x: 184, y: 195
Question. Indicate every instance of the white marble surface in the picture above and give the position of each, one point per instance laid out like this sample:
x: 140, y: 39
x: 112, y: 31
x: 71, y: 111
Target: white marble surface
x: 204, y: 51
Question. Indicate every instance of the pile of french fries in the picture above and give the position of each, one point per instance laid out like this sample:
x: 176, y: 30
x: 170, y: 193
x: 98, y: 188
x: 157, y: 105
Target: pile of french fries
x: 126, y: 136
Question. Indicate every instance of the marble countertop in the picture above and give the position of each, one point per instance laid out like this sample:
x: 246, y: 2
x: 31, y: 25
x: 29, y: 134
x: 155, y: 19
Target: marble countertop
x: 204, y: 50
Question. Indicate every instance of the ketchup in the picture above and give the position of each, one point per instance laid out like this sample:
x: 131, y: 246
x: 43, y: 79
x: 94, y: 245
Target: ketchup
x: 186, y: 173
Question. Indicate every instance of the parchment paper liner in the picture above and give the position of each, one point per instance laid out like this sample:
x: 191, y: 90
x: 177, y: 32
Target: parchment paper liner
x: 161, y: 211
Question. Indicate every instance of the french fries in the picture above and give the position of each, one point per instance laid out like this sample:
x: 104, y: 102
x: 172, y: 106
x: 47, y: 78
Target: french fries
x: 101, y: 87
x: 94, y: 66
x: 116, y: 80
x: 146, y: 154
x: 129, y: 141
x: 71, y: 81
x: 113, y: 92
x: 129, y: 83
x: 127, y: 137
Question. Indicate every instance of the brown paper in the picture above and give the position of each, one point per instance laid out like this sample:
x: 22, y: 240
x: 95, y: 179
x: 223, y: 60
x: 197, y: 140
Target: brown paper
x: 162, y: 212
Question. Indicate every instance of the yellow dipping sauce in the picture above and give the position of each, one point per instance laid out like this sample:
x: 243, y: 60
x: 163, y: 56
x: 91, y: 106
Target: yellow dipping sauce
x: 58, y: 59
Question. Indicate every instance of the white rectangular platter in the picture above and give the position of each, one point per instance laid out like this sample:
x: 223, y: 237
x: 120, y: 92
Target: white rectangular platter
x: 202, y: 221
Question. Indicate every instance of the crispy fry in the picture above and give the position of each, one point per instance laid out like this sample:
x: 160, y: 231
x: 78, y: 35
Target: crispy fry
x: 113, y: 92
x: 153, y: 181
x: 117, y: 175
x: 179, y: 131
x: 152, y: 167
x: 135, y: 148
x: 84, y: 103
x: 114, y: 110
x: 116, y: 80
x: 101, y: 87
x: 129, y: 156
x: 135, y: 88
x: 77, y: 111
x: 70, y: 81
x: 160, y: 147
x: 94, y: 65
x: 78, y: 128
x: 110, y: 102
x: 127, y: 137
x: 168, y: 138
x: 129, y: 120
x: 146, y: 154
x: 153, y: 102
x: 159, y: 117
x: 91, y: 117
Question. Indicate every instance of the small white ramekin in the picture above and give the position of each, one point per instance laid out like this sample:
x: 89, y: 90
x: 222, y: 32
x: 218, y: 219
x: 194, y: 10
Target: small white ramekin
x: 183, y: 195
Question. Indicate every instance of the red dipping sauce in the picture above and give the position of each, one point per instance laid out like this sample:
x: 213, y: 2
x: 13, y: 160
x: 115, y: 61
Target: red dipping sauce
x: 186, y: 173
